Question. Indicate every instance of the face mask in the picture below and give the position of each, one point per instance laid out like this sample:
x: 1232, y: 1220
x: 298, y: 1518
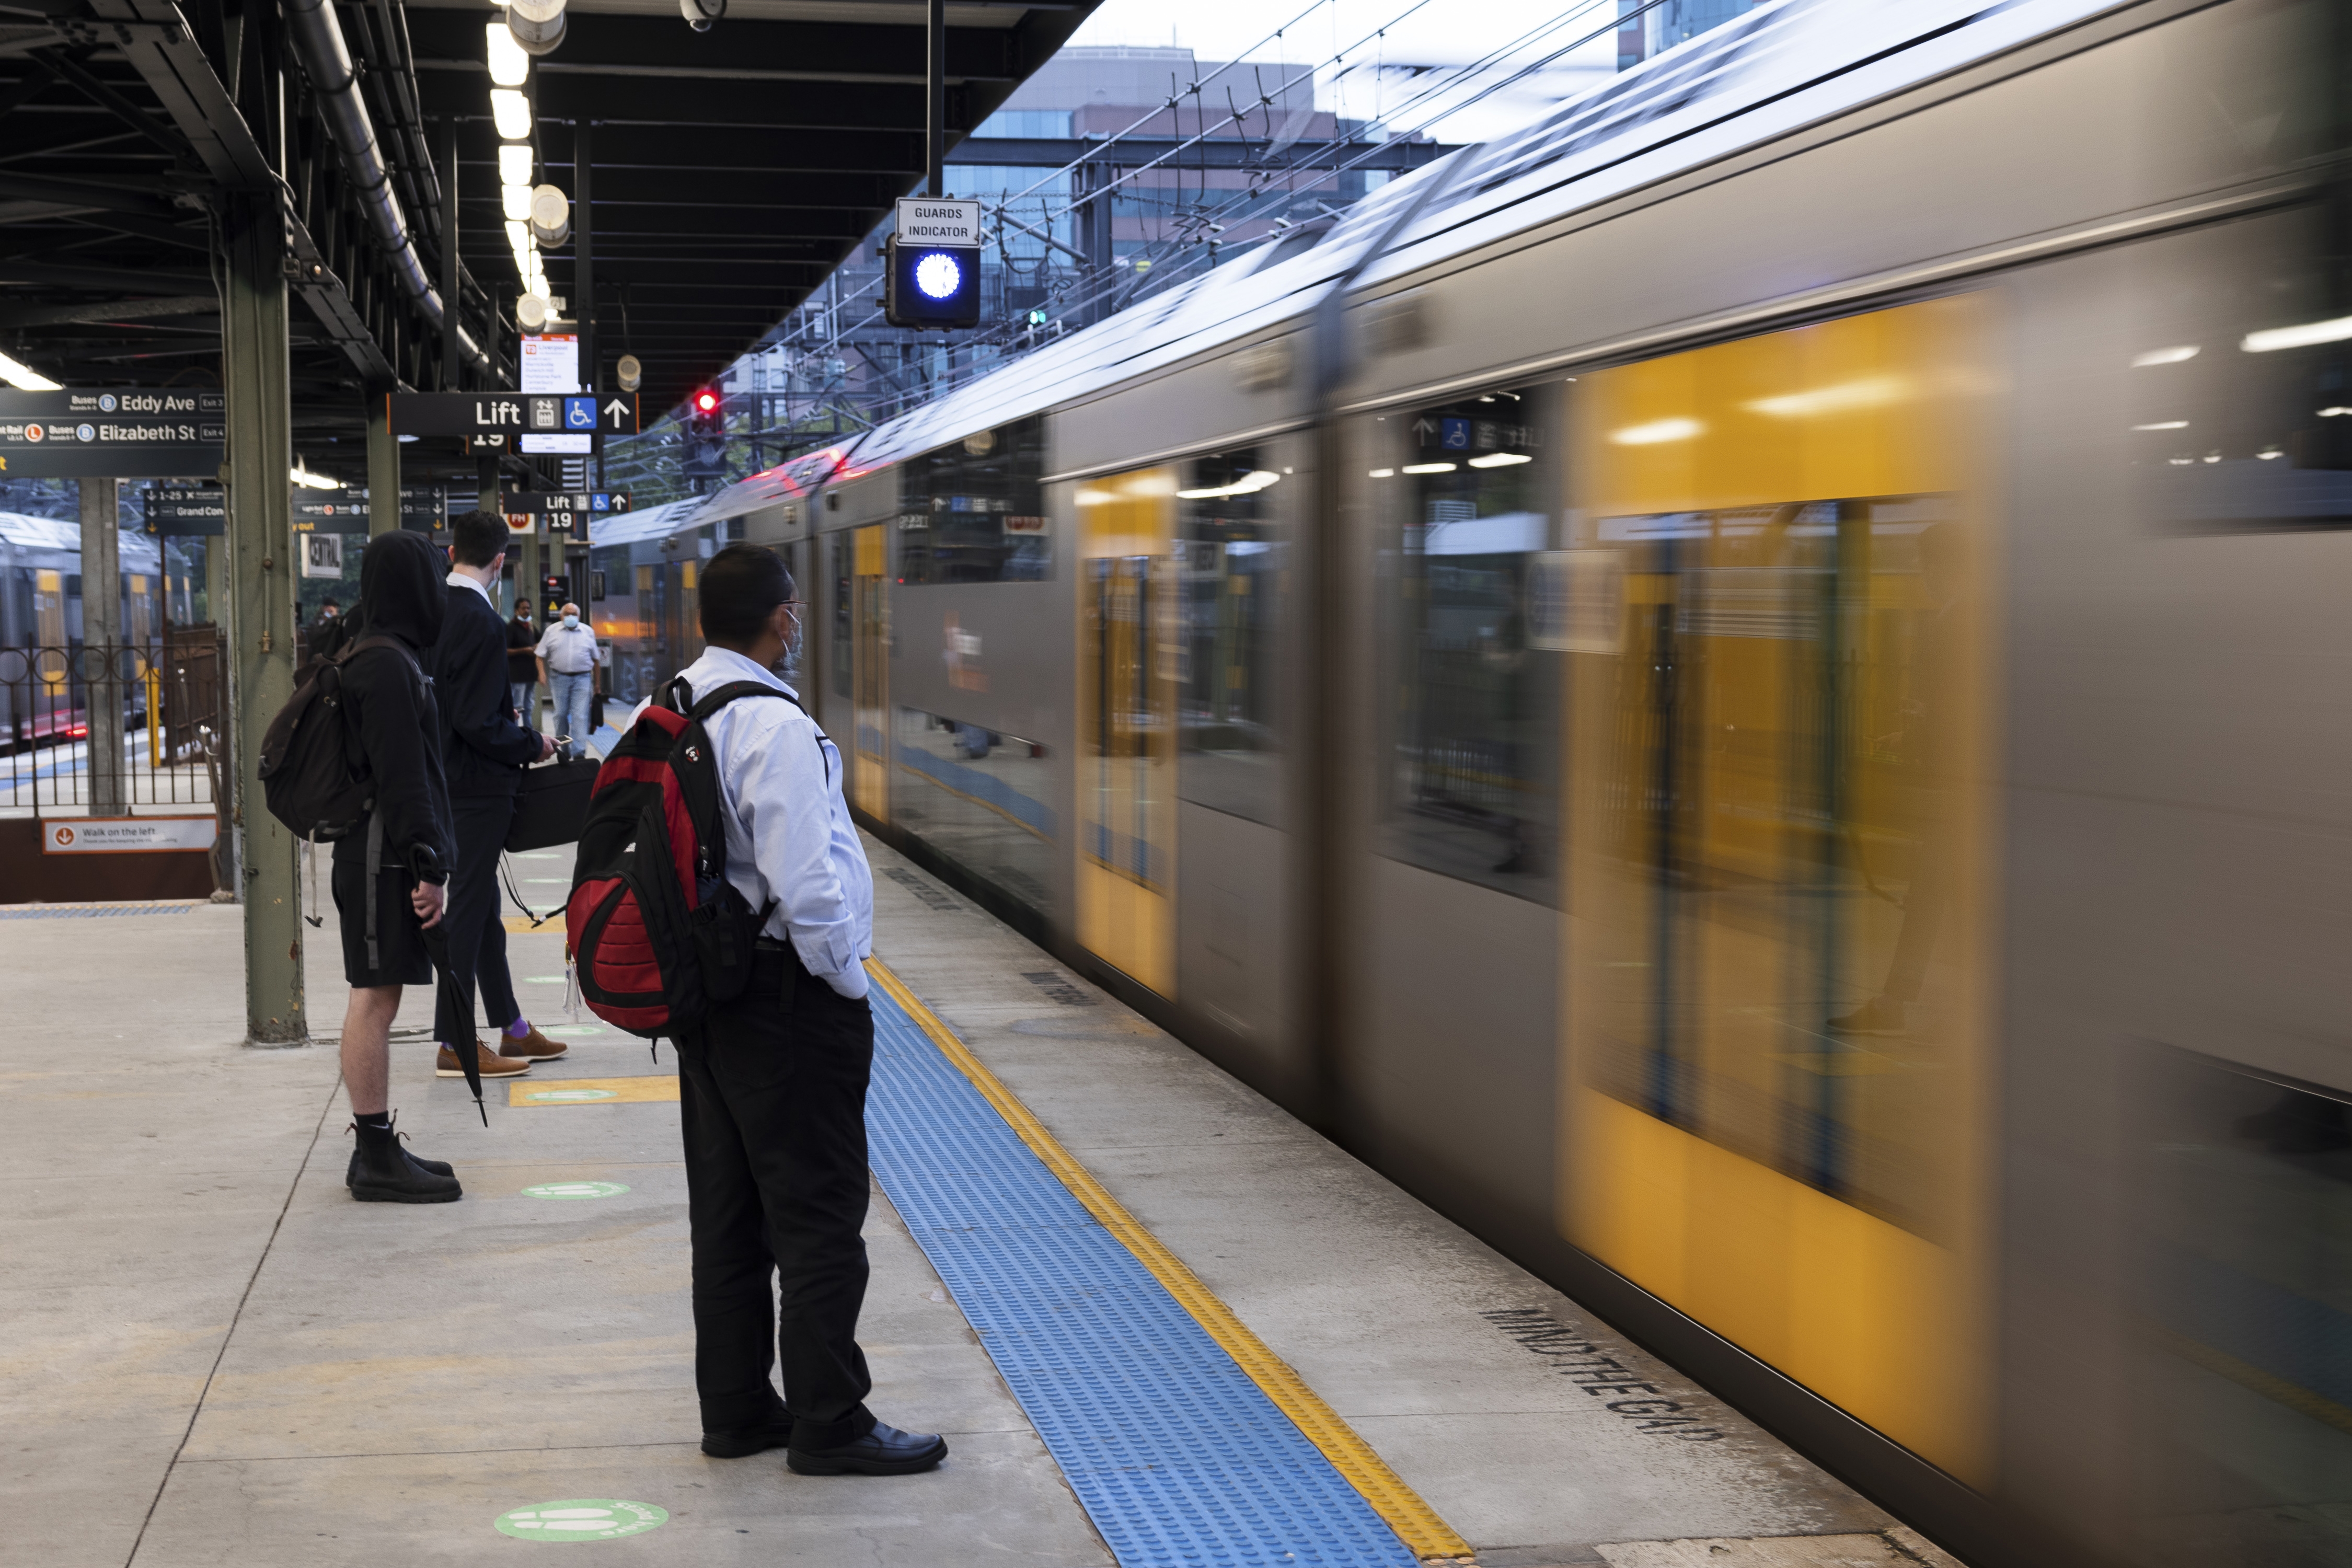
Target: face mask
x: 328, y: 612
x: 571, y: 620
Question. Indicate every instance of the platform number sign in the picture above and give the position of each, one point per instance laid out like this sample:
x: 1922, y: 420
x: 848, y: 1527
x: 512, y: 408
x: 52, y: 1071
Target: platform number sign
x: 322, y: 554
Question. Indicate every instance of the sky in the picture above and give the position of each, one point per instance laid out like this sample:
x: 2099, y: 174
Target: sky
x: 1364, y: 50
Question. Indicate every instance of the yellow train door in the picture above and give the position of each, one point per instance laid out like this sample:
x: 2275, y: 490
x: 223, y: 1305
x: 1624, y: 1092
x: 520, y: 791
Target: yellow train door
x: 1779, y: 951
x: 870, y: 674
x: 1128, y: 642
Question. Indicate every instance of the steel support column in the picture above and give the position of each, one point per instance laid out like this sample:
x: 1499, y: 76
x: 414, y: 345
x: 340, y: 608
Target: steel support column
x: 260, y: 539
x: 383, y: 468
x: 104, y: 686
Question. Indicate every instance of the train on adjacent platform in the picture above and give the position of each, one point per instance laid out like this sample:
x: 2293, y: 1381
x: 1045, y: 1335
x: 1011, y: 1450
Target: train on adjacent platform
x: 1745, y: 690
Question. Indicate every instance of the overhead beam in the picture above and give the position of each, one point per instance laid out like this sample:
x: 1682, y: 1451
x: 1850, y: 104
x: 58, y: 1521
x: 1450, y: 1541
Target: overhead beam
x: 114, y: 310
x: 601, y: 43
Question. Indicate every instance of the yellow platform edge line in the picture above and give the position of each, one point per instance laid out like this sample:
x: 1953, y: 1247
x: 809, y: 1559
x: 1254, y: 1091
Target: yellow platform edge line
x: 1417, y: 1524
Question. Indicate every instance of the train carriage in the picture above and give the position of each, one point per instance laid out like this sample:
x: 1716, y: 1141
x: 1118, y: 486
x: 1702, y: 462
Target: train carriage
x: 1741, y: 689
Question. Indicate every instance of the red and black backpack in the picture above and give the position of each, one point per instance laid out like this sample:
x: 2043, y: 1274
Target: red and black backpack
x: 656, y: 931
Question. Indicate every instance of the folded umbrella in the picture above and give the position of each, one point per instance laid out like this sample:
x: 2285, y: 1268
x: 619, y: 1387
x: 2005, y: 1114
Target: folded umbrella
x: 460, y: 1005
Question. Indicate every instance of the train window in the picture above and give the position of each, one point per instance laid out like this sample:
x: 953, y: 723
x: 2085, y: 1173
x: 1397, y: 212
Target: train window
x: 980, y: 797
x: 1229, y: 552
x: 976, y: 512
x: 2239, y: 379
x: 1466, y: 493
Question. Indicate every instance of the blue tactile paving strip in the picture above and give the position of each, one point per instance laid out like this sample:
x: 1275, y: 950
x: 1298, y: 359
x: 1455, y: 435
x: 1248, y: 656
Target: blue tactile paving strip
x: 1177, y: 1457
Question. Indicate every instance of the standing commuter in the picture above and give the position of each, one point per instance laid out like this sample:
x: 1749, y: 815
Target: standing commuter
x: 483, y: 751
x: 522, y: 662
x: 389, y: 872
x: 567, y: 662
x: 773, y: 1087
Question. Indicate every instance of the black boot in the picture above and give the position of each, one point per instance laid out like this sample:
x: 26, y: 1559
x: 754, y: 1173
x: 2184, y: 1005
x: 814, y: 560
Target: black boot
x: 383, y: 1172
x: 438, y: 1167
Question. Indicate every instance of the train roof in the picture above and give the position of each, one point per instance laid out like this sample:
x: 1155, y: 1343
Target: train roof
x: 1765, y: 74
x: 138, y: 551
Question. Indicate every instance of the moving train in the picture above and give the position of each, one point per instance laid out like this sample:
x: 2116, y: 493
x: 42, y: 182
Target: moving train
x: 1745, y: 689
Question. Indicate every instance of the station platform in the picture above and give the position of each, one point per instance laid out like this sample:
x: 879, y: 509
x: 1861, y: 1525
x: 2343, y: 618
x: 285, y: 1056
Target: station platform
x: 1158, y: 1320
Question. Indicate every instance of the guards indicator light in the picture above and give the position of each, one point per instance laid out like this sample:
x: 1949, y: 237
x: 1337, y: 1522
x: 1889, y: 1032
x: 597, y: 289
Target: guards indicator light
x: 938, y: 275
x: 931, y: 285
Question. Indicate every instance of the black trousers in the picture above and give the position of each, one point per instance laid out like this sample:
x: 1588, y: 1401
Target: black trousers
x: 477, y: 937
x: 772, y: 1098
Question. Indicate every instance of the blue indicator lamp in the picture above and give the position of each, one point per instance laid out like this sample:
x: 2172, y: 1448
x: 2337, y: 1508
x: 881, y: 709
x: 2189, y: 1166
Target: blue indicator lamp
x: 932, y: 285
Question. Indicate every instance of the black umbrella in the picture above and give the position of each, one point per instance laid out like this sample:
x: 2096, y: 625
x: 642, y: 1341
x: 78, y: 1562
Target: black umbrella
x: 460, y: 1005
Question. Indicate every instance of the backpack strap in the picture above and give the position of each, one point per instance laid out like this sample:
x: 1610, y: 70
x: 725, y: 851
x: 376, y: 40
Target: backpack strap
x: 705, y: 708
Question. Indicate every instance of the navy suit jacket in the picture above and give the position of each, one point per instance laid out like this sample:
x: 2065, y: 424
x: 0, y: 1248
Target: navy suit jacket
x: 483, y: 746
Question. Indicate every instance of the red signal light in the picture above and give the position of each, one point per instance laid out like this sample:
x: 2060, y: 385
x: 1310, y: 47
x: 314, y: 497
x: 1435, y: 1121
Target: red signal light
x: 705, y: 401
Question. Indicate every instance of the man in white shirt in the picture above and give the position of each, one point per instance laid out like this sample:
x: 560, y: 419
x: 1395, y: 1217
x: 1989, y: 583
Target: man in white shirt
x: 773, y: 1087
x: 567, y: 664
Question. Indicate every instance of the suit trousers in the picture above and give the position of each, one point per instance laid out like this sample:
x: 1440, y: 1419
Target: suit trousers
x: 772, y: 1101
x: 477, y: 937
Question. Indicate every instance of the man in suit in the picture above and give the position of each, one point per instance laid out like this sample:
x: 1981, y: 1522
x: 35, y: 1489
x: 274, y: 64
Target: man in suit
x: 484, y: 748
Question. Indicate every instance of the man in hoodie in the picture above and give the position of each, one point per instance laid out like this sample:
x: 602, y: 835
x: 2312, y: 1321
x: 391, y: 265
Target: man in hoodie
x: 483, y: 750
x: 390, y: 871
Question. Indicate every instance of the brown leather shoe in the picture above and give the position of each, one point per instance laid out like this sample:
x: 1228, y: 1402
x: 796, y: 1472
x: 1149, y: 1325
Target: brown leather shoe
x: 492, y: 1065
x: 532, y: 1047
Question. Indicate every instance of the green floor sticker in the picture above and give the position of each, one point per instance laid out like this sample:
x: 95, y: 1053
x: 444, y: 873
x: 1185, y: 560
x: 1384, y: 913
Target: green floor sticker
x: 555, y: 1096
x: 572, y: 1031
x: 581, y: 1519
x: 575, y: 1190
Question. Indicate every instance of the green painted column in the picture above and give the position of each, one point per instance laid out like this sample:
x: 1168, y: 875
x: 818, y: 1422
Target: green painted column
x: 383, y: 468
x: 101, y: 628
x: 260, y: 620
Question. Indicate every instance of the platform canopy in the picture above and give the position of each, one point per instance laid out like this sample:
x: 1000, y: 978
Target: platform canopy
x: 729, y: 171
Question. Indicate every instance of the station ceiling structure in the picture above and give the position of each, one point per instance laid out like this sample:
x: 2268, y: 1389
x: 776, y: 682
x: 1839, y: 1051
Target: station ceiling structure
x: 717, y: 177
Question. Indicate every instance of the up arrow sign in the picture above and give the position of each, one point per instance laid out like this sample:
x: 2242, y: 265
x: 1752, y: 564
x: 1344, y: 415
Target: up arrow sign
x: 620, y: 417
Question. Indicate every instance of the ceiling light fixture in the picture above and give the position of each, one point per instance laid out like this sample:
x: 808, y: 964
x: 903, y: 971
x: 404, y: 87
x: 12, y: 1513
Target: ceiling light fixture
x: 301, y: 475
x: 18, y: 374
x: 1500, y: 459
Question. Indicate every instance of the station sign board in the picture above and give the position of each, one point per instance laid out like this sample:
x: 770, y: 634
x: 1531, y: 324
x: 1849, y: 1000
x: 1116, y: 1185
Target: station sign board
x: 928, y: 220
x: 512, y: 414
x: 131, y: 433
x: 560, y: 511
x: 331, y: 512
x: 182, y: 512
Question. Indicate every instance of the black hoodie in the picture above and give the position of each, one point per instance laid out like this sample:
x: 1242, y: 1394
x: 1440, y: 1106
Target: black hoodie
x: 403, y: 595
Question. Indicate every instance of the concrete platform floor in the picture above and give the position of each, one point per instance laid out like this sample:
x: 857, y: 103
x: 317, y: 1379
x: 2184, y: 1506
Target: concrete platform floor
x: 213, y: 1356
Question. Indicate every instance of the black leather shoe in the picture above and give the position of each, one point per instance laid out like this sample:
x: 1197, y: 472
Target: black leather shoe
x: 775, y: 1432
x: 383, y: 1172
x: 885, y: 1451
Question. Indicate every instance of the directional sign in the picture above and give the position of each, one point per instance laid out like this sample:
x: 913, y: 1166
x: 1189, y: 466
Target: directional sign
x: 511, y: 414
x: 122, y: 433
x: 560, y: 511
x: 182, y: 512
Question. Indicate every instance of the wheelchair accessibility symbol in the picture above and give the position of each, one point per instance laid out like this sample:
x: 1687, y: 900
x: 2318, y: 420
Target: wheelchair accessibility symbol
x: 580, y: 414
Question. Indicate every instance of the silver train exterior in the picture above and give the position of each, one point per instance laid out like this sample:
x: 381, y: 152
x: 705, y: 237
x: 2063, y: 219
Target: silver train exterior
x: 1744, y: 689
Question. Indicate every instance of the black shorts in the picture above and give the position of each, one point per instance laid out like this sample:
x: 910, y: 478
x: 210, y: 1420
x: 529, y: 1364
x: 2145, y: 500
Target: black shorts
x: 401, y: 958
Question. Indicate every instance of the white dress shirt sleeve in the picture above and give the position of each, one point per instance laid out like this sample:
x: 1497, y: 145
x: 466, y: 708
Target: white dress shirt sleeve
x: 785, y: 798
